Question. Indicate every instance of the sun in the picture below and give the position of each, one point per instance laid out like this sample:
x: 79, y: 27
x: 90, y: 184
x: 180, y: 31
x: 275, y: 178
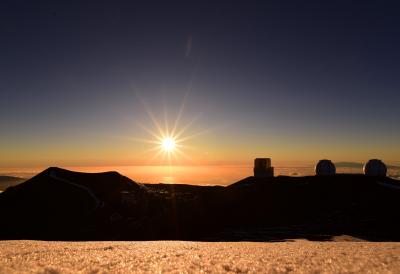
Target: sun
x: 168, y: 144
x: 169, y: 139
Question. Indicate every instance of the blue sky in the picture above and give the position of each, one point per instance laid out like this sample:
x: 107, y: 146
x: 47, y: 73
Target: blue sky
x: 298, y: 81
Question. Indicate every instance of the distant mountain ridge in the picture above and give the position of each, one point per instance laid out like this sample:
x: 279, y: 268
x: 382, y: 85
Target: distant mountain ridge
x: 7, y: 181
x: 359, y: 165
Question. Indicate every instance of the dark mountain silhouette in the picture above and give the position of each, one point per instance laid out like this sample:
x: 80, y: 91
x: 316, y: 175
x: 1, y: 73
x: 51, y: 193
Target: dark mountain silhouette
x: 63, y: 205
x: 7, y: 181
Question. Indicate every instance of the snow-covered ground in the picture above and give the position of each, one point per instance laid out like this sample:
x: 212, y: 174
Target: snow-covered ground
x: 195, y: 257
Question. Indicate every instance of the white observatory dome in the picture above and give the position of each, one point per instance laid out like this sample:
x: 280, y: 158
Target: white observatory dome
x: 375, y: 167
x: 325, y: 168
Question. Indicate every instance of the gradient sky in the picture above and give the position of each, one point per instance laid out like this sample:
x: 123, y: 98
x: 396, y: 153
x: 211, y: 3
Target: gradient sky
x: 294, y: 80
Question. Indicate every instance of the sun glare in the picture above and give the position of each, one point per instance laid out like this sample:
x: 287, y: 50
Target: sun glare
x: 168, y: 144
x: 170, y: 139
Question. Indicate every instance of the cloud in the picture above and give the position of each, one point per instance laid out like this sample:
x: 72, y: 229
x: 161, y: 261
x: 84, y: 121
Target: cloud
x: 189, y: 43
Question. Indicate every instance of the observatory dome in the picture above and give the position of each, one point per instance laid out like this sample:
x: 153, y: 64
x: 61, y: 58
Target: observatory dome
x: 375, y: 167
x: 325, y: 168
x: 263, y: 168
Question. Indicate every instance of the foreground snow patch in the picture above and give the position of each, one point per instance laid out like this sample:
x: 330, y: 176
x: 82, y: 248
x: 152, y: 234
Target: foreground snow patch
x: 194, y: 257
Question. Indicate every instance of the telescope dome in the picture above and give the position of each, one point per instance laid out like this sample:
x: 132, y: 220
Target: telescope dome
x: 375, y: 167
x: 263, y: 168
x: 325, y: 168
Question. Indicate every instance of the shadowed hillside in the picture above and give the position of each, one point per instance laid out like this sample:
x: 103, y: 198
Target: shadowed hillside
x: 60, y: 204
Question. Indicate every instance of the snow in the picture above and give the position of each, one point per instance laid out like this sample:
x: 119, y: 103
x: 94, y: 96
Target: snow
x: 193, y: 257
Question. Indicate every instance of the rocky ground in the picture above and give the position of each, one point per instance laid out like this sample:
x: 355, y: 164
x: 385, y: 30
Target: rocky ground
x: 299, y: 256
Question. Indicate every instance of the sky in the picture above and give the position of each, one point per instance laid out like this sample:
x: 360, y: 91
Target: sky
x: 83, y: 82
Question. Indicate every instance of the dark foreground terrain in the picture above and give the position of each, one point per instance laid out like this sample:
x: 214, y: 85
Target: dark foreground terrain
x: 62, y: 205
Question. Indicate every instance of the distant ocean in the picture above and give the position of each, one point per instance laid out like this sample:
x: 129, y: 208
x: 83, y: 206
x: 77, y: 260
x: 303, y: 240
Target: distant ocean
x: 197, y: 175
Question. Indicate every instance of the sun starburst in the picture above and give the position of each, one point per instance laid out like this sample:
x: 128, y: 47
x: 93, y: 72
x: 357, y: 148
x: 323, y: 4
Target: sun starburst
x: 170, y: 140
